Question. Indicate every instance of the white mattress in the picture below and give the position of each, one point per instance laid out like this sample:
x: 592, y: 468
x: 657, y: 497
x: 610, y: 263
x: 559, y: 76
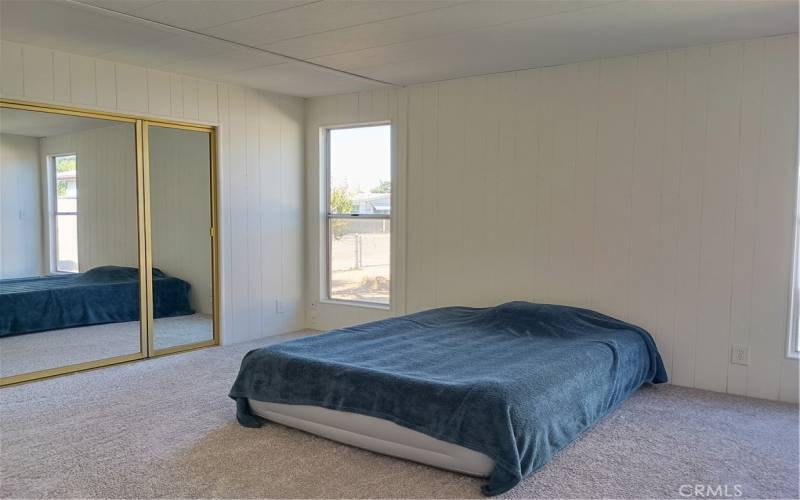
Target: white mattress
x: 378, y: 435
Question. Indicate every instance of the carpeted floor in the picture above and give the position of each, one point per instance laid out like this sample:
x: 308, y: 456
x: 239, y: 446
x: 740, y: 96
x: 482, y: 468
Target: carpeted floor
x: 165, y: 428
x: 41, y: 350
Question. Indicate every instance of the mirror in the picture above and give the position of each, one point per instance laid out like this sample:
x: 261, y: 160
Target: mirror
x: 69, y: 241
x: 180, y: 223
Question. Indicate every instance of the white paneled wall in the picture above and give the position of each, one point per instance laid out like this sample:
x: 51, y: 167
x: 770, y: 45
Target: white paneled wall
x: 364, y: 107
x: 657, y: 188
x: 260, y: 168
x: 264, y: 189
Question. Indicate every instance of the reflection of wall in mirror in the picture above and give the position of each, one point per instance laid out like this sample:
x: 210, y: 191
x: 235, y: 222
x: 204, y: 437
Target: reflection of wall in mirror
x: 180, y: 209
x: 106, y: 167
x: 20, y: 207
x: 107, y: 224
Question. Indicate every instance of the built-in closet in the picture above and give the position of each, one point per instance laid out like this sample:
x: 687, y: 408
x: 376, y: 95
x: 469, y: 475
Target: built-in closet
x: 108, y: 248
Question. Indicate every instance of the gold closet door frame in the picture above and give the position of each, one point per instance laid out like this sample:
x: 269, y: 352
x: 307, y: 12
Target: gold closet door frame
x: 212, y: 152
x: 146, y: 349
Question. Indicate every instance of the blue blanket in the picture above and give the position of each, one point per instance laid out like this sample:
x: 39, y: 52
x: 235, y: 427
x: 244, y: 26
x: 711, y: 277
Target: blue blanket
x: 107, y: 294
x: 516, y: 382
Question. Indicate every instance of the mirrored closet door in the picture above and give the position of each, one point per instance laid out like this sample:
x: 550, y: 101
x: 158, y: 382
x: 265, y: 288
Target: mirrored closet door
x: 70, y: 294
x: 180, y: 187
x: 107, y: 251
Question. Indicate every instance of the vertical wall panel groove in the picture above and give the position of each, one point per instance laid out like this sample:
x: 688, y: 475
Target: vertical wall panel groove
x: 746, y: 202
x: 689, y: 212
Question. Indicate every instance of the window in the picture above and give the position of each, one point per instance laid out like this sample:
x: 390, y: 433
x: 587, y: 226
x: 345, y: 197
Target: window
x: 358, y: 195
x: 64, y: 221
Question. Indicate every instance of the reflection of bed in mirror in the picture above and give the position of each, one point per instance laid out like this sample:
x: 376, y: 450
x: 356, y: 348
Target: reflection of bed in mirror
x: 105, y: 294
x: 69, y: 288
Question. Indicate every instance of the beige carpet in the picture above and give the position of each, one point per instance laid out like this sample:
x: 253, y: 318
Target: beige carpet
x: 41, y: 350
x: 165, y: 428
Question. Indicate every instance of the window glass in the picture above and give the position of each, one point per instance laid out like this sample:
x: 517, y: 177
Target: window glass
x: 359, y: 214
x: 360, y: 255
x: 360, y: 170
x: 66, y: 213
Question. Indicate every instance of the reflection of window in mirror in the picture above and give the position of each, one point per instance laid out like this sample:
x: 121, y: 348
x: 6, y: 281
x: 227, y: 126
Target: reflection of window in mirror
x: 64, y: 200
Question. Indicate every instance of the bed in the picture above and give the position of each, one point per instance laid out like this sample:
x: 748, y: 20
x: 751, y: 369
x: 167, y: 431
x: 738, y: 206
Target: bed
x: 106, y: 294
x: 492, y: 392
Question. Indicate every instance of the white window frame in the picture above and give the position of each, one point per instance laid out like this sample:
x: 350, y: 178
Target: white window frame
x: 793, y: 335
x: 325, y: 296
x: 792, y: 350
x: 54, y: 213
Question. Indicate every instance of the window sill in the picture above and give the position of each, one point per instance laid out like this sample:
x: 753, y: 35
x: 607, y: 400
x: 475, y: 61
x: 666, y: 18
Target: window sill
x: 355, y: 303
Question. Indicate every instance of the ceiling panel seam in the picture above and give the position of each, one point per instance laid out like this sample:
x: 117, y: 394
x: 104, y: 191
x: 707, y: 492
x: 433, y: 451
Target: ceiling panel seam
x: 311, y: 2
x: 365, y: 23
x: 142, y: 20
x: 485, y: 27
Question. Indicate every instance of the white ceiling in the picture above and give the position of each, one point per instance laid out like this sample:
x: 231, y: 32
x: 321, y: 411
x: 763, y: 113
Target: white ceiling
x: 310, y: 43
x: 37, y: 124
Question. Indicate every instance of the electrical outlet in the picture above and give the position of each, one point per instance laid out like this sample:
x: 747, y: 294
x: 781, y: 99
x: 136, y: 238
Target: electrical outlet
x: 278, y: 306
x: 740, y: 354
